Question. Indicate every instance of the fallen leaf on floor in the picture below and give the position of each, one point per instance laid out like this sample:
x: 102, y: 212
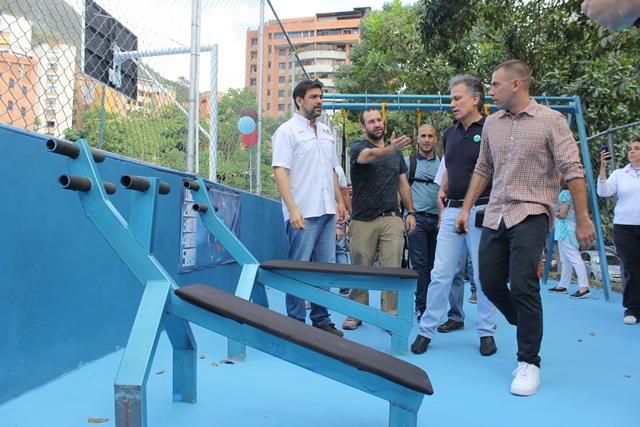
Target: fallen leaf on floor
x: 98, y: 420
x: 227, y: 362
x: 593, y: 334
x: 579, y: 340
x: 627, y: 376
x: 202, y: 356
x: 214, y: 364
x: 160, y: 372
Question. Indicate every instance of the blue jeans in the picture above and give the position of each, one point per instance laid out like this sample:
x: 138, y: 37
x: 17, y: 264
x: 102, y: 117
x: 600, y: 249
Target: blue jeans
x: 456, y: 294
x: 422, y: 252
x: 341, y: 247
x: 449, y: 253
x: 516, y: 252
x: 472, y: 282
x: 316, y: 243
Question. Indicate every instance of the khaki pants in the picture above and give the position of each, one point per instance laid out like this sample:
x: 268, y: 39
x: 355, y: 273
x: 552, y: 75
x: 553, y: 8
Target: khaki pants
x: 384, y: 237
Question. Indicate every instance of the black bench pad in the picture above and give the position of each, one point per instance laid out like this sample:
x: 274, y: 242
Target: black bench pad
x: 332, y: 268
x: 349, y: 352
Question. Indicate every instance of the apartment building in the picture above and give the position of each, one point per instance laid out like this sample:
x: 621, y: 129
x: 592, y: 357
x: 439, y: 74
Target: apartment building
x: 17, y: 73
x: 151, y: 96
x: 322, y: 42
x: 36, y: 80
x: 54, y: 93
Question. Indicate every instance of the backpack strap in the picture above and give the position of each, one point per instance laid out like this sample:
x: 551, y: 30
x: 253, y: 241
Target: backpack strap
x: 412, y: 167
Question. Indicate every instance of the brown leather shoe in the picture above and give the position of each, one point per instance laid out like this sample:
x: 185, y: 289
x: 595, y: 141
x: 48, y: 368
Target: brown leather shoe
x: 331, y: 328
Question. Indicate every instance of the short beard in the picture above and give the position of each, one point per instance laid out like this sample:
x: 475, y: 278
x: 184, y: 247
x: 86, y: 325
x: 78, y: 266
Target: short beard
x: 373, y: 137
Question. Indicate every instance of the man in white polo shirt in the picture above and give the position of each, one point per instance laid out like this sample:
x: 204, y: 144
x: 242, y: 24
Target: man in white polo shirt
x: 304, y: 158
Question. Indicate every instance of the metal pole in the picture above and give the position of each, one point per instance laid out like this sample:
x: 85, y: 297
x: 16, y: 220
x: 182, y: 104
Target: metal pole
x: 193, y: 87
x: 610, y: 144
x: 260, y: 89
x: 101, y: 118
x: 595, y: 212
x: 293, y: 84
x: 213, y: 117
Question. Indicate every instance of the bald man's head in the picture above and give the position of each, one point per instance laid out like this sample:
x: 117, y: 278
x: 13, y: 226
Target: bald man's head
x: 427, y: 140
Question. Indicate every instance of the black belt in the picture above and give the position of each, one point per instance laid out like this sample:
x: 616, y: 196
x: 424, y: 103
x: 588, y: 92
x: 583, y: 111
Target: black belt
x: 392, y: 213
x: 426, y: 214
x: 459, y: 203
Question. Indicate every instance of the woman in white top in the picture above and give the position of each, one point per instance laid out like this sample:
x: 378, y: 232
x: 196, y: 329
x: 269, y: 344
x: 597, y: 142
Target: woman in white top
x: 625, y: 183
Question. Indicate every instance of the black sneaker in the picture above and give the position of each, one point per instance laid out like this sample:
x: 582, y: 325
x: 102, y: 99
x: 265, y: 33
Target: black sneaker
x: 579, y: 294
x: 450, y: 326
x: 487, y: 346
x: 557, y: 290
x: 344, y: 291
x: 420, y: 345
x: 331, y: 328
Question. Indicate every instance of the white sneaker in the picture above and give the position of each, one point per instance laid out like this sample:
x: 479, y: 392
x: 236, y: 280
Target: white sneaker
x: 630, y: 320
x: 526, y: 381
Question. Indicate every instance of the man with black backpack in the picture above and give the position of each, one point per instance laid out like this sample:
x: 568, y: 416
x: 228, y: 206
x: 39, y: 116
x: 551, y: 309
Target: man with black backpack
x: 423, y: 167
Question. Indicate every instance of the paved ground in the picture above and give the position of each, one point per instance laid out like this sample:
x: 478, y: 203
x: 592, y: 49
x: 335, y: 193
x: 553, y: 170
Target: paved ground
x: 590, y: 377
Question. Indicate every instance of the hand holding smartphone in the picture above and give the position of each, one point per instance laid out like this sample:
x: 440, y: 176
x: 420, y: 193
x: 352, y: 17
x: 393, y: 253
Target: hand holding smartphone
x: 605, y: 148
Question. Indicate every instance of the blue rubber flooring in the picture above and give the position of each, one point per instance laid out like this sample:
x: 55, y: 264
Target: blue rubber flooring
x: 590, y: 376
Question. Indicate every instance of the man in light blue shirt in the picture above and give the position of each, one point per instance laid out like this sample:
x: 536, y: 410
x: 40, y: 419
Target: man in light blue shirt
x: 424, y: 192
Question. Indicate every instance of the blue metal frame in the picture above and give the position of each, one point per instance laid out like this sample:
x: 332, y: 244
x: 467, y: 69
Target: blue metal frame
x: 133, y: 242
x: 159, y: 308
x: 305, y: 284
x: 565, y: 104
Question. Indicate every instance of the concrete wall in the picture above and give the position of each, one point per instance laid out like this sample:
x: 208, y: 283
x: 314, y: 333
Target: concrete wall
x: 66, y: 299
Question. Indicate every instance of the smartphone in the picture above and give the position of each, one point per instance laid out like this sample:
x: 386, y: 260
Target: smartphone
x: 606, y: 148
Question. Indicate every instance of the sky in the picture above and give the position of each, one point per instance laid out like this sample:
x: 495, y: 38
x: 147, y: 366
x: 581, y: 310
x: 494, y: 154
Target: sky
x: 166, y: 24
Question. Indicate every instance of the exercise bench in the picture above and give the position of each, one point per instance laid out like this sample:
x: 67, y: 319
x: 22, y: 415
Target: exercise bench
x: 303, y: 279
x: 164, y: 305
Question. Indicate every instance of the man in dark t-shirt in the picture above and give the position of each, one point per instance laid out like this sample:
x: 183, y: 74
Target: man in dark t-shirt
x: 461, y: 149
x: 378, y: 175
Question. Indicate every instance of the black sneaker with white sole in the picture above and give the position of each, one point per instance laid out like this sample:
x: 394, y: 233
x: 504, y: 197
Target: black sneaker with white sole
x: 579, y: 294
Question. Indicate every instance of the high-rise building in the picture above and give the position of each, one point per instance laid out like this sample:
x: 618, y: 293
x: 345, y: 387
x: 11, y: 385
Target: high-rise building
x: 322, y: 42
x: 17, y: 72
x: 54, y: 93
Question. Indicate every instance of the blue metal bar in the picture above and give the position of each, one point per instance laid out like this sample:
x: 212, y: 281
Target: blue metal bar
x: 131, y: 381
x: 595, y: 211
x: 411, y: 107
x: 368, y: 97
x: 185, y: 381
x: 142, y: 214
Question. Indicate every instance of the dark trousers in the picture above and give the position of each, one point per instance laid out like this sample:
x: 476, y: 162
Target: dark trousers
x: 627, y: 241
x: 514, y: 254
x: 422, y: 252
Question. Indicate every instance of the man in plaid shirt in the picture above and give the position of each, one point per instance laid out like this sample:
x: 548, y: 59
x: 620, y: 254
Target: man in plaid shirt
x: 524, y: 147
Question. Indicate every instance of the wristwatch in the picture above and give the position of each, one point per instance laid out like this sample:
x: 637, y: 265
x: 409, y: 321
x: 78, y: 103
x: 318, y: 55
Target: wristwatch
x: 411, y: 213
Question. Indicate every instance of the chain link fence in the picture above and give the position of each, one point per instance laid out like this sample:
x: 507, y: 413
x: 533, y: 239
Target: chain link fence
x: 118, y: 73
